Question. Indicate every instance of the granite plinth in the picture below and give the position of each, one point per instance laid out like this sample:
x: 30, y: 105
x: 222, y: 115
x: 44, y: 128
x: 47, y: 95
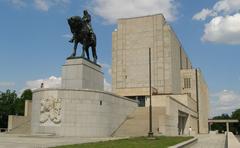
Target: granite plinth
x: 79, y: 73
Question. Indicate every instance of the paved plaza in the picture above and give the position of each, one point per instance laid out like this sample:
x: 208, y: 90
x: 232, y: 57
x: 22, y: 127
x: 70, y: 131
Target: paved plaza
x: 210, y: 141
x: 23, y: 141
x: 238, y: 137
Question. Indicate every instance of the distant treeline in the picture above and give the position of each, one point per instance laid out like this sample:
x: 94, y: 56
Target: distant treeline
x: 233, y: 127
x: 11, y: 104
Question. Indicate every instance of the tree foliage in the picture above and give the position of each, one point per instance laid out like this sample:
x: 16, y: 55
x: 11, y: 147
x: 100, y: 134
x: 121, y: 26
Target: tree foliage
x: 11, y: 104
x: 233, y: 127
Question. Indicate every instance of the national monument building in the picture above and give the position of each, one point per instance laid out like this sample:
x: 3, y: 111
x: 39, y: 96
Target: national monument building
x: 180, y: 94
x: 81, y: 107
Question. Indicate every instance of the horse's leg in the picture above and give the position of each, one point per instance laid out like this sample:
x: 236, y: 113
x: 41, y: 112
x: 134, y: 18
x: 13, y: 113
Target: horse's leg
x: 87, y: 52
x: 75, y: 48
x: 83, y: 51
x: 94, y: 53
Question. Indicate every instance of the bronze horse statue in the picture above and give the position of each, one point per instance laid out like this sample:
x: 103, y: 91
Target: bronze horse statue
x: 82, y: 34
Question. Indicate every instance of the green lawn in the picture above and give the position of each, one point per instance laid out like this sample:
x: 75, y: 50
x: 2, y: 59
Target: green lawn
x: 139, y: 142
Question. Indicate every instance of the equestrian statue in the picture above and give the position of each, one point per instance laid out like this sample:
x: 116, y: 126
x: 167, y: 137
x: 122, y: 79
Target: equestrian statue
x: 82, y: 31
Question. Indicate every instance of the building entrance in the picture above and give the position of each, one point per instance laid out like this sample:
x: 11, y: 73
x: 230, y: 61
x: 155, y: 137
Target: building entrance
x: 182, y: 120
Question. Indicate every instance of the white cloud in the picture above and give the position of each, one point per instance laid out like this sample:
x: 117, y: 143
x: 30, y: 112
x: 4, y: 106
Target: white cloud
x: 226, y: 7
x: 7, y: 84
x: 204, y: 14
x: 225, y: 101
x: 18, y: 3
x: 224, y: 24
x: 107, y: 86
x: 104, y: 65
x: 110, y: 71
x: 51, y: 82
x: 42, y: 5
x: 223, y: 30
x: 111, y: 10
x: 45, y: 5
x: 107, y: 67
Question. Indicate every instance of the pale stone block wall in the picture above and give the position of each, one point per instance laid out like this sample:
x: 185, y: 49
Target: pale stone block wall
x: 36, y: 126
x: 186, y: 100
x: 81, y: 74
x: 28, y: 108
x: 86, y: 113
x: 15, y: 121
x: 198, y: 82
x: 168, y: 123
x: 203, y: 103
x: 232, y: 141
x: 130, y: 58
x: 189, y: 73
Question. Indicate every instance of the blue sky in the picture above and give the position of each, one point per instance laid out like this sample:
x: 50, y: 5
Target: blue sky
x: 34, y: 38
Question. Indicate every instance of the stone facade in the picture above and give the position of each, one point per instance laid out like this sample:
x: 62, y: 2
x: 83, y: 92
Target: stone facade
x: 81, y: 74
x: 130, y: 44
x: 80, y: 107
x: 85, y: 113
x: 197, y: 90
x: 172, y: 73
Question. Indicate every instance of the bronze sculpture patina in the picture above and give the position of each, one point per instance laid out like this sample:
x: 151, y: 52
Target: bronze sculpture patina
x: 83, y: 33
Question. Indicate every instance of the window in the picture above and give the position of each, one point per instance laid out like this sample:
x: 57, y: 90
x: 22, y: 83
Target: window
x: 187, y: 83
x: 141, y: 101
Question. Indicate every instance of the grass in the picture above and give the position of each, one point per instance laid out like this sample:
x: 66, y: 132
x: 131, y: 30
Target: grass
x: 139, y: 142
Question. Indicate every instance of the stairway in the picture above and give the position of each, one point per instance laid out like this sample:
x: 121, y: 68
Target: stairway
x: 137, y: 123
x: 24, y: 128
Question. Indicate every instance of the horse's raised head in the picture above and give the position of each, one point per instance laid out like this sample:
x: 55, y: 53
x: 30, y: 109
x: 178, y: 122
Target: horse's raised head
x: 74, y: 19
x: 75, y: 23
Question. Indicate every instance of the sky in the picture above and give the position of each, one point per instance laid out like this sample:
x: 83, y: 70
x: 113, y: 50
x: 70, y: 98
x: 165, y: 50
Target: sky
x: 34, y: 38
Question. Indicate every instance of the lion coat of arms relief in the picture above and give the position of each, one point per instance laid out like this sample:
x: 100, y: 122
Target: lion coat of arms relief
x: 50, y: 112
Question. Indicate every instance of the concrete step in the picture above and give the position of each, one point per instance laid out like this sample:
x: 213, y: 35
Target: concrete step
x: 22, y: 129
x: 137, y: 123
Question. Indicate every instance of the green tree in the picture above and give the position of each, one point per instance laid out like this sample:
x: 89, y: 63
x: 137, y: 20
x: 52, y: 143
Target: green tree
x: 236, y: 126
x: 7, y: 106
x: 27, y: 94
x: 11, y: 104
x: 221, y: 127
x: 20, y: 102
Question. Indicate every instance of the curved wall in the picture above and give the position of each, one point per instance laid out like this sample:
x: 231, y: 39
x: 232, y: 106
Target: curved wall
x: 86, y: 113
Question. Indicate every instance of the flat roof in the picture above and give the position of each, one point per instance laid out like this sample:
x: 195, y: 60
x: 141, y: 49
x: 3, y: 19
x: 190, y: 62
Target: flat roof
x: 142, y: 16
x: 223, y: 120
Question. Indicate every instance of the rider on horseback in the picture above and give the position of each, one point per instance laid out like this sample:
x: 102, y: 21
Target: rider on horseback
x: 87, y: 19
x: 82, y: 33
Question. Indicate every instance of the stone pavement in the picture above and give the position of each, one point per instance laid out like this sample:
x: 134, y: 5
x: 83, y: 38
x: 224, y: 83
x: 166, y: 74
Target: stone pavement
x: 238, y: 137
x: 41, y: 141
x: 210, y: 141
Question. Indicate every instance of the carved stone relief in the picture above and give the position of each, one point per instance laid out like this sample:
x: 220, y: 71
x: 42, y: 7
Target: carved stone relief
x: 50, y: 112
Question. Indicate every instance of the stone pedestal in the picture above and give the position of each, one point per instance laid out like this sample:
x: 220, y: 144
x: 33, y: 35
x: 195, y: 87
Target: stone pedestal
x: 81, y: 107
x: 81, y: 74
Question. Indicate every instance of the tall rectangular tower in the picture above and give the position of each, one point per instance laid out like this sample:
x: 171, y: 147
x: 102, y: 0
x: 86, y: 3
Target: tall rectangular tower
x: 195, y: 86
x: 130, y: 60
x: 172, y: 71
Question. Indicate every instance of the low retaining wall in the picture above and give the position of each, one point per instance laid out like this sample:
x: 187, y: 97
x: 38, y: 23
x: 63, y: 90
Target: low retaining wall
x: 185, y: 144
x: 15, y: 121
x: 232, y: 141
x: 85, y: 113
